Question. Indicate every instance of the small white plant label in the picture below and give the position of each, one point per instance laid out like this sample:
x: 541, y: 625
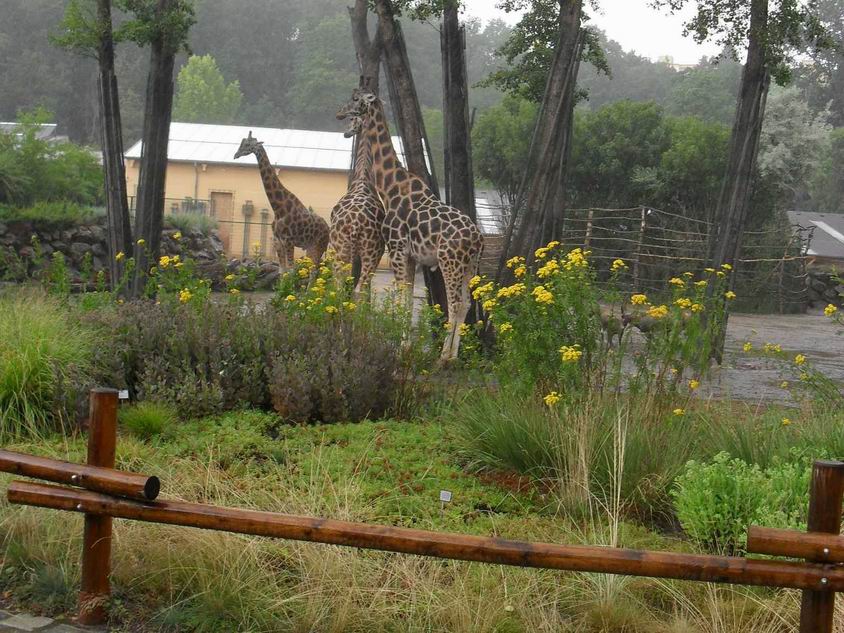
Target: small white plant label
x: 445, y: 496
x: 123, y: 394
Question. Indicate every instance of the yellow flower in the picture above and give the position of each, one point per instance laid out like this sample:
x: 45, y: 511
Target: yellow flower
x: 577, y: 259
x: 548, y: 269
x: 676, y: 281
x: 784, y: 384
x: 552, y: 244
x: 541, y: 253
x: 331, y: 309
x: 481, y: 291
x: 511, y: 291
x: 747, y: 347
x: 730, y: 294
x: 504, y: 327
x: 349, y: 306
x: 639, y: 300
x: 570, y: 353
x: 520, y: 271
x: 447, y: 326
x: 617, y: 265
x: 489, y: 304
x: 709, y: 270
x: 804, y: 376
x: 771, y: 348
x: 437, y: 309
x: 515, y: 261
x: 658, y: 312
x: 141, y: 242
x: 234, y: 291
x: 179, y: 264
x: 177, y: 235
x: 679, y: 412
x: 185, y: 295
x: 164, y: 262
x: 721, y: 274
x: 694, y: 384
x: 688, y: 274
x: 230, y: 277
x: 551, y: 399
x: 697, y: 307
x: 799, y: 360
x: 726, y: 266
x: 701, y: 283
x: 542, y: 296
x: 474, y: 281
x: 304, y: 272
x: 175, y: 259
x: 119, y: 257
x: 464, y: 329
x: 324, y: 270
x: 120, y: 302
x: 290, y: 298
x: 786, y: 421
x: 830, y: 310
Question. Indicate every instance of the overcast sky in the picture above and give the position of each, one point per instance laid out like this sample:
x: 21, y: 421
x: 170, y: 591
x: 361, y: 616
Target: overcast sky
x: 631, y: 23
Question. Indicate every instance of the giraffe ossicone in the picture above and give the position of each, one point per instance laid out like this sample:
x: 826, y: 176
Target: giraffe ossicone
x: 294, y: 225
x: 417, y: 227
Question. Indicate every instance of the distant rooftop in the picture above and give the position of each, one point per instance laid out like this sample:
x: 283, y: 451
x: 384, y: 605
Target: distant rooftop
x: 294, y: 149
x: 45, y: 130
x: 828, y: 237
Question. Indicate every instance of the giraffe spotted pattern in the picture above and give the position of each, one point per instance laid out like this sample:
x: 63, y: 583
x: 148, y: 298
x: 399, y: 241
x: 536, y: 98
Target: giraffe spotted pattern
x: 294, y: 225
x: 417, y: 227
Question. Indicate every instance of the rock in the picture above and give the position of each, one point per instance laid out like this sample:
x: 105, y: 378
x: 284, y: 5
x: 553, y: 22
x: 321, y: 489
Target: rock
x: 2, y: 229
x: 98, y: 249
x: 78, y: 250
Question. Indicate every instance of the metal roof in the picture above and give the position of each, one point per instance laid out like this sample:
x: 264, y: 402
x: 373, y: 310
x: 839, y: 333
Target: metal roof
x: 828, y: 237
x: 294, y: 149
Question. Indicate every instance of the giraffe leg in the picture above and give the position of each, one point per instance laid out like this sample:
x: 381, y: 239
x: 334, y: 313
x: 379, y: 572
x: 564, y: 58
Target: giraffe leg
x: 457, y: 293
x: 368, y: 264
x: 285, y: 256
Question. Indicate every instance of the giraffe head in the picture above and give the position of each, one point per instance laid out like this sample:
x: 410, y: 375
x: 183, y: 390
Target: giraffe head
x: 355, y: 126
x: 249, y: 145
x: 362, y: 104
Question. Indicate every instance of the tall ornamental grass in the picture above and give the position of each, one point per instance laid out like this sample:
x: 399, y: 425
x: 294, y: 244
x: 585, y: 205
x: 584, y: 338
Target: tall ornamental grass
x: 44, y: 359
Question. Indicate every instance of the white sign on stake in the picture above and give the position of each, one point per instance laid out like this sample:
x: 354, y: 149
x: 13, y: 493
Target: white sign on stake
x: 445, y: 496
x: 123, y: 394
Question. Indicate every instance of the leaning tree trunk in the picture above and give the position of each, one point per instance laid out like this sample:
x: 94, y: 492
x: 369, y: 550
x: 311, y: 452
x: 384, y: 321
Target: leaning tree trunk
x: 411, y: 127
x: 459, y: 180
x: 734, y: 201
x: 367, y: 50
x: 111, y: 138
x: 538, y: 213
x: 149, y: 215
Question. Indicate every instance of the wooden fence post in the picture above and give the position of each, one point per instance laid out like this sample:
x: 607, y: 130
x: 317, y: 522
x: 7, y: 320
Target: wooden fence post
x: 96, y: 544
x: 825, y: 497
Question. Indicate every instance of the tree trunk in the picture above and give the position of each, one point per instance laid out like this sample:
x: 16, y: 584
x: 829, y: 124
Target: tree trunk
x: 538, y: 213
x: 149, y: 215
x: 459, y: 179
x: 411, y: 127
x: 367, y: 50
x: 111, y: 138
x: 734, y: 201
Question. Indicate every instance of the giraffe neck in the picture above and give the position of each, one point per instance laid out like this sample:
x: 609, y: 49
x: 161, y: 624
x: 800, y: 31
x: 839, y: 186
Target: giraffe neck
x: 277, y: 193
x: 385, y: 162
x: 363, y: 159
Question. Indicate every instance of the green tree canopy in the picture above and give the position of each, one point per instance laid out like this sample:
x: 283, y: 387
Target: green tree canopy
x: 202, y: 94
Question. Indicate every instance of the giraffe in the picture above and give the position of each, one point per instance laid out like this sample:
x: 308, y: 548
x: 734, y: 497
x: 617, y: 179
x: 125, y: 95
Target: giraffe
x: 417, y: 227
x: 357, y: 217
x: 294, y: 224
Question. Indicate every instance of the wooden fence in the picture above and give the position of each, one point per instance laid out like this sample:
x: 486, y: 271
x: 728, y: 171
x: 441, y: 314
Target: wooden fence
x: 102, y: 493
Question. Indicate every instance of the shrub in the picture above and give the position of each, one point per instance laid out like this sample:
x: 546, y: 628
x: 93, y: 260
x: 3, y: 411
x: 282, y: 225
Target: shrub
x: 188, y: 222
x: 718, y: 500
x: 45, y: 358
x: 57, y: 214
x: 147, y: 419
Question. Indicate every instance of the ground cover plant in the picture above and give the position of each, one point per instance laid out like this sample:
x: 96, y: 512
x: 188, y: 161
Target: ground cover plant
x: 572, y: 417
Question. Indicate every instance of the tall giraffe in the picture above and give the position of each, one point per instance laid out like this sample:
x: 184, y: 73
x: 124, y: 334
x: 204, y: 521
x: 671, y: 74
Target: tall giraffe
x: 293, y: 224
x: 418, y: 228
x: 357, y: 217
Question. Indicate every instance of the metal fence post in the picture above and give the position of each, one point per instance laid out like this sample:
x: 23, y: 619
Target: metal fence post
x: 825, y: 497
x: 96, y: 544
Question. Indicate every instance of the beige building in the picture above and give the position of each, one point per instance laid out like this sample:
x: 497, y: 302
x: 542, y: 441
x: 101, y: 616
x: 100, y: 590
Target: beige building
x: 203, y: 177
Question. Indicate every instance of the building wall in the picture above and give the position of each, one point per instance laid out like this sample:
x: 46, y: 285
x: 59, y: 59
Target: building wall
x: 318, y: 189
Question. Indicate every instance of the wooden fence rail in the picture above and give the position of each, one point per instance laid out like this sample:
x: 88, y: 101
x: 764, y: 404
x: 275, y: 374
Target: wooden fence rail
x: 817, y: 576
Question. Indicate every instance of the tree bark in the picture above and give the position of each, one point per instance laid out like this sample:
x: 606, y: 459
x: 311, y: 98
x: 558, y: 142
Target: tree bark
x: 459, y: 179
x: 411, y: 127
x: 149, y: 215
x: 111, y: 138
x: 367, y: 50
x: 539, y: 210
x: 734, y: 201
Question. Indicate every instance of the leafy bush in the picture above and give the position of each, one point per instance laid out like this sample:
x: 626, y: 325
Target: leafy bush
x: 147, y: 419
x: 49, y: 214
x: 189, y: 222
x: 45, y: 358
x: 718, y: 500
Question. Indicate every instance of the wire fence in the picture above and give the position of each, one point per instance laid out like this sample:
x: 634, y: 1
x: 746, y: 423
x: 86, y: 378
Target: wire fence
x: 771, y: 273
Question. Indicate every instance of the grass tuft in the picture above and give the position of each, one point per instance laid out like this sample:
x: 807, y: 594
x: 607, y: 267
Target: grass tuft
x: 148, y: 419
